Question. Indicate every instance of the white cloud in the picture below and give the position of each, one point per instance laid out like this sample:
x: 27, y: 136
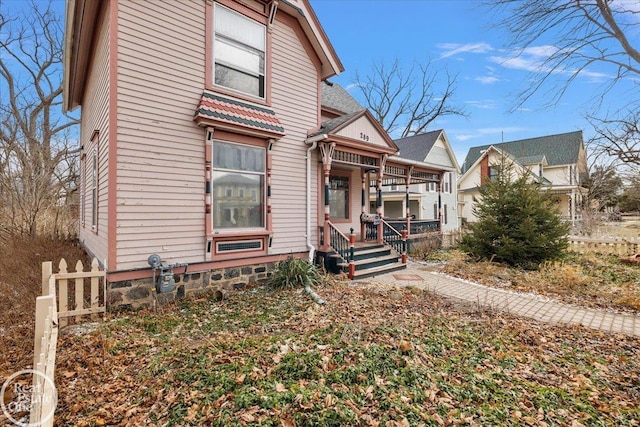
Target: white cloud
x: 452, y: 49
x: 532, y: 59
x: 463, y: 137
x: 487, y: 80
x: 483, y: 105
x: 495, y: 133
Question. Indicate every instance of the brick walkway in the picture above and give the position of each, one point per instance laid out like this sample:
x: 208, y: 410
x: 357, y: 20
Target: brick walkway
x: 528, y: 305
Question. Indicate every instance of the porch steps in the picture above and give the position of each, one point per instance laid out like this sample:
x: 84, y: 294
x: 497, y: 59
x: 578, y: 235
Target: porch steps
x: 372, y: 260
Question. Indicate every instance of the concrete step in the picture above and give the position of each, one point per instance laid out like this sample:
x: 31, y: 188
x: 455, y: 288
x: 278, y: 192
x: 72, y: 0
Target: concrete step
x: 372, y: 272
x: 368, y: 263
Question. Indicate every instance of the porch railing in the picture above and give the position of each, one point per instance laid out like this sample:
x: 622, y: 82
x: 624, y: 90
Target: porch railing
x: 370, y: 231
x: 339, y: 242
x: 417, y: 226
x: 392, y: 237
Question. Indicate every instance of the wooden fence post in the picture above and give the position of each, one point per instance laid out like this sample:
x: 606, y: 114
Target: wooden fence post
x: 63, y: 293
x: 79, y: 290
x: 47, y: 271
x: 95, y: 291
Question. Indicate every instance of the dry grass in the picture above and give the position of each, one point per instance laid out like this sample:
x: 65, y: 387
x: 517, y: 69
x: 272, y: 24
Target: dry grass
x: 20, y: 283
x: 629, y: 227
x: 587, y: 280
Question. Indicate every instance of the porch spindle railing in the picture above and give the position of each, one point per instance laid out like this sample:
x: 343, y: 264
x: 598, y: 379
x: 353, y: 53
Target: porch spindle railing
x: 417, y: 226
x: 339, y: 242
x: 392, y: 237
x: 371, y: 231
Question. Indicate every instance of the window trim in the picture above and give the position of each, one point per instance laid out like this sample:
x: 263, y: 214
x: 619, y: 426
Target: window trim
x: 249, y: 14
x: 90, y: 183
x: 94, y: 189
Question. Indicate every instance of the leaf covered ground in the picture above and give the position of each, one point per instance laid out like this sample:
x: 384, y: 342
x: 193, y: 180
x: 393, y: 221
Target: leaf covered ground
x: 21, y: 261
x: 599, y: 281
x: 369, y: 357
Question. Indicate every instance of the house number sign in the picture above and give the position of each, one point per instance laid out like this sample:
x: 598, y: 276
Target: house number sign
x: 364, y: 137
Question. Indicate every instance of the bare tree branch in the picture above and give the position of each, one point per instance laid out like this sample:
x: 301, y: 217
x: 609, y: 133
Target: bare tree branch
x: 577, y: 34
x: 407, y: 103
x: 35, y: 157
x: 617, y: 137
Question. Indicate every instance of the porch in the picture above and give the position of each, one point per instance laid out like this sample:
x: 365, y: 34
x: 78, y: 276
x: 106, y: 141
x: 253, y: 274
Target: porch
x: 345, y: 236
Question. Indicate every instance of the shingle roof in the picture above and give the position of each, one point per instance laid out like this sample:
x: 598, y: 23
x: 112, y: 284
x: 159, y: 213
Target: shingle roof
x: 236, y: 112
x: 329, y: 126
x: 560, y: 149
x: 418, y: 146
x: 337, y: 98
x: 532, y: 160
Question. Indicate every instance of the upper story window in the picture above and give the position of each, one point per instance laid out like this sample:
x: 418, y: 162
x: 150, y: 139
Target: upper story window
x: 239, y: 52
x: 493, y: 172
x: 446, y: 185
x: 432, y: 187
x: 572, y: 174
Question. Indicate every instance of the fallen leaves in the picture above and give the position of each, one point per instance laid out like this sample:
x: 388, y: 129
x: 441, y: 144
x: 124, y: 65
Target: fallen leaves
x: 363, y: 359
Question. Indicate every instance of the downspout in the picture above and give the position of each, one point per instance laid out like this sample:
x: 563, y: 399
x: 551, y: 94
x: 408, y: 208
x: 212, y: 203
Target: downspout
x: 314, y: 144
x: 312, y: 249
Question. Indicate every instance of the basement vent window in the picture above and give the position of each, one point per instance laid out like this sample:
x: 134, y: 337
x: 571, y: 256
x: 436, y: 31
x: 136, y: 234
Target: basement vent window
x: 245, y: 245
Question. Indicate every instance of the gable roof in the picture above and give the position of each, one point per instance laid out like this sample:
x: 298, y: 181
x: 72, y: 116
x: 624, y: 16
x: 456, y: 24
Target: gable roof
x: 333, y: 126
x: 336, y: 98
x: 417, y: 147
x: 533, y: 160
x: 330, y: 126
x: 515, y: 162
x: 559, y: 149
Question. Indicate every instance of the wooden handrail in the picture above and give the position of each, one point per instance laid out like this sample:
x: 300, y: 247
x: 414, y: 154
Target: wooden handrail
x: 392, y: 237
x: 339, y: 242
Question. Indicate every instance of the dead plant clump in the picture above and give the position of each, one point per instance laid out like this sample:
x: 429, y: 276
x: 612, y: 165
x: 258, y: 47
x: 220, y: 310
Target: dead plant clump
x: 566, y: 277
x: 21, y: 261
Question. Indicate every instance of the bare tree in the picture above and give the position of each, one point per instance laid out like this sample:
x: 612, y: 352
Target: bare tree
x: 618, y: 137
x: 407, y: 102
x: 35, y: 179
x: 576, y: 34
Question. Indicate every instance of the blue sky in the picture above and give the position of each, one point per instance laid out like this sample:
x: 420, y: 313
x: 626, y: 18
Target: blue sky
x: 456, y: 35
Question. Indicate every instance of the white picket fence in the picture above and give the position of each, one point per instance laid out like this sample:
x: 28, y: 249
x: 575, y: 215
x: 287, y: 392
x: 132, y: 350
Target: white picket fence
x: 623, y: 246
x: 53, y: 310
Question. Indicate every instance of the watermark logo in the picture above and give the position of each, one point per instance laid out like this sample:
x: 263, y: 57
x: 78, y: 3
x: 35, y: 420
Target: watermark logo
x: 24, y: 391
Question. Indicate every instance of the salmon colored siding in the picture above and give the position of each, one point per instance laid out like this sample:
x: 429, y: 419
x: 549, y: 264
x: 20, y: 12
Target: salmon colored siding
x: 161, y: 75
x: 294, y: 97
x: 95, y: 111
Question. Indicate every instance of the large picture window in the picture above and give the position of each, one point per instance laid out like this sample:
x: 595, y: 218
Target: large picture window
x: 339, y: 197
x: 238, y: 186
x: 239, y: 52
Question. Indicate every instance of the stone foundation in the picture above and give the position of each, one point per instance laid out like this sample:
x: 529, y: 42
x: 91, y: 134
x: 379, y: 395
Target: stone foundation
x: 141, y: 293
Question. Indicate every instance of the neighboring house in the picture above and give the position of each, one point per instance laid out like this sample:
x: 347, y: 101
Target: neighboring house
x: 204, y: 140
x: 429, y: 201
x: 557, y: 162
